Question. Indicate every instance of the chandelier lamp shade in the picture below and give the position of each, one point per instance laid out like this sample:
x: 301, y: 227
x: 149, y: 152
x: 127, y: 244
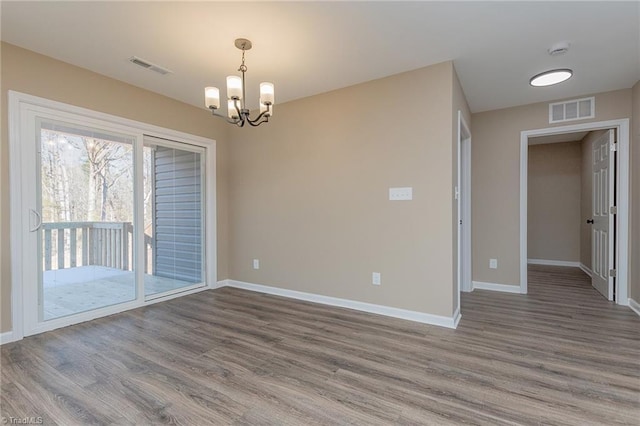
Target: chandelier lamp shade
x: 237, y: 112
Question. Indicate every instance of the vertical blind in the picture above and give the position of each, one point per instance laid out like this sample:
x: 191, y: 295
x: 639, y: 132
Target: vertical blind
x: 178, y: 214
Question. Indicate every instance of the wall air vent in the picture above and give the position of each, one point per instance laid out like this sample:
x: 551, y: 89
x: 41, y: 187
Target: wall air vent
x: 150, y: 66
x: 576, y: 109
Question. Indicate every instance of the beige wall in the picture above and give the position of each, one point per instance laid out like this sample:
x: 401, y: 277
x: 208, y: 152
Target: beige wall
x: 554, y: 201
x: 309, y: 194
x: 496, y: 180
x: 38, y: 75
x: 634, y: 255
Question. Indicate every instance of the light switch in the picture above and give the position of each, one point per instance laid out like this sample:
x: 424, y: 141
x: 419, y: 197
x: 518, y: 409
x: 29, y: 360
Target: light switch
x: 401, y: 194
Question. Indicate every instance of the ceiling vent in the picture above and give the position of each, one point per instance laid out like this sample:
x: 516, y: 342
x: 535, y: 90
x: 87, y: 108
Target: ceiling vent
x: 559, y: 48
x: 576, y: 109
x: 150, y: 66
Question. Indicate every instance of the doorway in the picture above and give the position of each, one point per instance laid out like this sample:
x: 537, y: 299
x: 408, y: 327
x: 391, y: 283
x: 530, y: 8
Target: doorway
x: 610, y: 204
x: 463, y: 198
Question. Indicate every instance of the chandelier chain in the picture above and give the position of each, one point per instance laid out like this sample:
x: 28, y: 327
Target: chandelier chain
x: 243, y: 67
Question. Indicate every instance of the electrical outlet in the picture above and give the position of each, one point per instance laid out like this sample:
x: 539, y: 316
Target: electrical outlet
x: 256, y: 263
x: 375, y: 278
x: 493, y: 263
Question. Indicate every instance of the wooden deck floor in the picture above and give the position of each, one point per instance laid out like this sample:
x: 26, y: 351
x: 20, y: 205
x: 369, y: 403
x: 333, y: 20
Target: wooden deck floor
x: 560, y: 355
x: 80, y: 289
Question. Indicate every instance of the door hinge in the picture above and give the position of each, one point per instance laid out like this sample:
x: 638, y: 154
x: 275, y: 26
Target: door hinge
x: 460, y: 221
x: 612, y: 272
x: 614, y: 146
x: 613, y: 209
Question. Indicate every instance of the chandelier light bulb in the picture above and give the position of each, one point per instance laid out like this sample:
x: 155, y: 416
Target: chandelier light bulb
x: 234, y: 87
x: 266, y: 93
x: 212, y: 97
x: 232, y: 112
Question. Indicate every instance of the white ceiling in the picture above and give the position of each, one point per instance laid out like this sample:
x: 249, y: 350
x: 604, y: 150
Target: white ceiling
x: 307, y: 48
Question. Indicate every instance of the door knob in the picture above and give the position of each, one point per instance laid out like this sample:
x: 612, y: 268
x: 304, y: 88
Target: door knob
x: 590, y: 221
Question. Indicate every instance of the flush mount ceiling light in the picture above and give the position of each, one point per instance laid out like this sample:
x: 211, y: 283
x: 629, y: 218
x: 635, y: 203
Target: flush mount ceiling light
x: 549, y: 78
x: 237, y: 112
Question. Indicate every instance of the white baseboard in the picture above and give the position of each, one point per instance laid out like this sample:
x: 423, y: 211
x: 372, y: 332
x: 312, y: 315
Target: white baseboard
x: 457, y: 316
x: 553, y: 262
x: 585, y: 269
x: 479, y: 285
x: 221, y: 283
x: 635, y: 306
x: 7, y: 337
x: 449, y: 322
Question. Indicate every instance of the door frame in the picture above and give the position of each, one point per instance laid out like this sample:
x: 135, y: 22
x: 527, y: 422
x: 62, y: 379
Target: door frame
x: 622, y: 197
x: 463, y: 195
x: 19, y: 106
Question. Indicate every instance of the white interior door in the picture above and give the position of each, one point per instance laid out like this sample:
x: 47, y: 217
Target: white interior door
x: 602, y: 240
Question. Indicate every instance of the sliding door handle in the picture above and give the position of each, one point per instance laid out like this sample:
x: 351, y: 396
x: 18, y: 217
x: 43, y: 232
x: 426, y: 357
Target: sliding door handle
x: 36, y: 227
x: 590, y: 221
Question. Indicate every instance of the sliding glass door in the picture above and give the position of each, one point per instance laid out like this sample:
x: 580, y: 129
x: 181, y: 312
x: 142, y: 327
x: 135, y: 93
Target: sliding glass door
x: 109, y: 217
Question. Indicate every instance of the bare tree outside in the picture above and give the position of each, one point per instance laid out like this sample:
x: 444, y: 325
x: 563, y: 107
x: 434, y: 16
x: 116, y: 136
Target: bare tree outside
x: 85, y: 179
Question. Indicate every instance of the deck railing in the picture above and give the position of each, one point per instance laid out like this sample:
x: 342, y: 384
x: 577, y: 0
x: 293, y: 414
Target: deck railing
x: 73, y: 244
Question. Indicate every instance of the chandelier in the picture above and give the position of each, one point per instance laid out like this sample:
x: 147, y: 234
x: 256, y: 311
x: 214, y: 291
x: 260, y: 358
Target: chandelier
x: 237, y: 112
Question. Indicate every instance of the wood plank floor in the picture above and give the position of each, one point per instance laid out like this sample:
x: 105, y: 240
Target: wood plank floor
x: 560, y: 355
